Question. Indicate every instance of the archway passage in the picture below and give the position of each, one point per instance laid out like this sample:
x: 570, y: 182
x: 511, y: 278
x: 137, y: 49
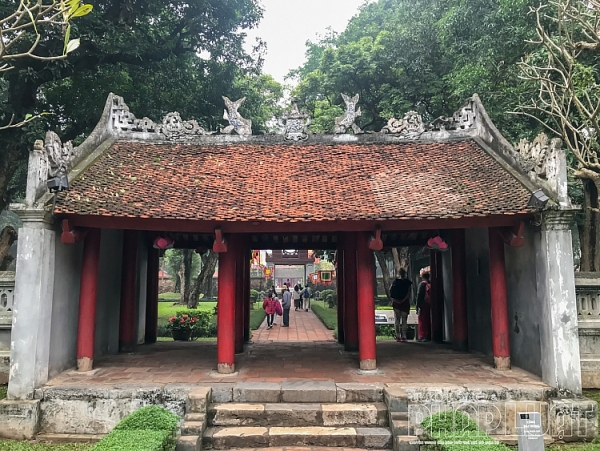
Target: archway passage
x: 304, y: 327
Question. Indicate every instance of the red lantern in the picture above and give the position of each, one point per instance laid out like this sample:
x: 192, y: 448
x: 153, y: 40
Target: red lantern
x: 163, y: 243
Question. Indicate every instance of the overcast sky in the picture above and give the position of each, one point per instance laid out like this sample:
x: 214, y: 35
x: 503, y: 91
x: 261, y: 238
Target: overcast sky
x: 287, y: 25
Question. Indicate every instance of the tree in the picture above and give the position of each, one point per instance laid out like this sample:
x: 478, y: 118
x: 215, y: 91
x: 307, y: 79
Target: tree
x: 204, y: 279
x: 565, y: 69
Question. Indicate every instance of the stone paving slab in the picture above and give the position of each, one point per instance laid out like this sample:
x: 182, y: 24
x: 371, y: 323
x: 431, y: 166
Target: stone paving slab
x: 308, y: 391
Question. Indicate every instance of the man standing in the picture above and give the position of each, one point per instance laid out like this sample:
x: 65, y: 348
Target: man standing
x: 286, y: 303
x: 400, y: 293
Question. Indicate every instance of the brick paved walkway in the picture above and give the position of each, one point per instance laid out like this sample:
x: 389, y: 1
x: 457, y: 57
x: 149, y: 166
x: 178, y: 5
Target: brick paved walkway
x: 304, y: 326
x: 195, y: 362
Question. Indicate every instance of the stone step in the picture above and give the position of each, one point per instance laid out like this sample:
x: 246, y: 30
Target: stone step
x: 261, y: 437
x: 406, y: 443
x: 298, y: 414
x: 189, y: 443
x: 69, y: 438
x: 198, y: 400
x: 195, y: 417
x: 193, y: 428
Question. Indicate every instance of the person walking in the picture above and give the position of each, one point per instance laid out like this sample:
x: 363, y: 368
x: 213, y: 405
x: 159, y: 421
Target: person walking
x: 400, y: 294
x: 269, y: 306
x: 286, y: 303
x: 296, y: 297
x: 424, y: 308
x: 306, y: 297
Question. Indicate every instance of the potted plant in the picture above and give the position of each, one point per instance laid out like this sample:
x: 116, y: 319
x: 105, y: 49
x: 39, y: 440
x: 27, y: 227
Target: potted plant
x: 182, y: 326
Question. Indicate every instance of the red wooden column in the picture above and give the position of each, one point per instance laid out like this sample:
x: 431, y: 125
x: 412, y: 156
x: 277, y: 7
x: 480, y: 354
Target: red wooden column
x: 247, y: 294
x: 240, y: 289
x: 437, y: 297
x: 88, y: 290
x: 366, y: 304
x: 226, y: 310
x: 340, y: 278
x: 350, y: 293
x: 152, y: 296
x: 500, y: 334
x: 127, y: 339
x: 459, y: 291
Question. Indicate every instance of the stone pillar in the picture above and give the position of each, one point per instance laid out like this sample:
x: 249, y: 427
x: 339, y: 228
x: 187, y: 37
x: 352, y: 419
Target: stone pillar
x: 459, y: 291
x: 127, y: 330
x: 366, y: 304
x: 340, y: 294
x: 240, y: 257
x: 88, y: 290
x: 32, y: 313
x: 556, y: 294
x: 226, y: 310
x: 350, y: 294
x: 151, y: 330
x: 437, y: 301
x: 500, y: 325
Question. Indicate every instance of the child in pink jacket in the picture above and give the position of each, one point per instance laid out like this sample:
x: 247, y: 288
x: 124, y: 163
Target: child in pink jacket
x: 270, y: 307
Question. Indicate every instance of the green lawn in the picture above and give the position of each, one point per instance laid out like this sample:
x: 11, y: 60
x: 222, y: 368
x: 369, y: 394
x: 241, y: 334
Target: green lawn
x: 166, y: 309
x: 26, y: 446
x: 328, y: 316
x: 3, y: 389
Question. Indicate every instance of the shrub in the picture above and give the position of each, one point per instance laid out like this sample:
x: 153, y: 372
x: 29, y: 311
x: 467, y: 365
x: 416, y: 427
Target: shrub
x: 253, y: 296
x: 385, y: 330
x: 198, y: 321
x: 150, y: 428
x: 326, y: 293
x: 455, y: 431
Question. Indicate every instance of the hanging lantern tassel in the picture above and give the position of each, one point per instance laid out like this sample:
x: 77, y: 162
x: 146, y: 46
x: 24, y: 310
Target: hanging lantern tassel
x: 437, y: 244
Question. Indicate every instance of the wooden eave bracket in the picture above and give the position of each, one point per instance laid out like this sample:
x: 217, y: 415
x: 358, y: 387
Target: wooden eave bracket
x: 70, y: 234
x: 375, y: 243
x: 513, y: 236
x: 220, y: 245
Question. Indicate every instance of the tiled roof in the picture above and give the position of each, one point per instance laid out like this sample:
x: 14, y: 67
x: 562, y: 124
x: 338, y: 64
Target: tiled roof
x: 301, y: 182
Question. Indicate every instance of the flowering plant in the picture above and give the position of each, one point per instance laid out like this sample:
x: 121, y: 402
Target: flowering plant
x: 183, y: 321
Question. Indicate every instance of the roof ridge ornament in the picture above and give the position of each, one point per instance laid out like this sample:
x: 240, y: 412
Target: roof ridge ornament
x: 296, y: 122
x: 462, y: 119
x: 343, y: 123
x: 176, y: 129
x: 237, y: 123
x: 410, y: 126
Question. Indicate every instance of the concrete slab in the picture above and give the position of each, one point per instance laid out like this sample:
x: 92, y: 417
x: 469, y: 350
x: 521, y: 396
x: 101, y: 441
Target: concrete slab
x: 284, y: 414
x: 199, y: 399
x: 19, y: 419
x: 308, y: 391
x: 395, y: 398
x: 356, y: 392
x: 312, y: 436
x: 242, y: 437
x: 235, y: 414
x: 373, y: 438
x: 222, y: 392
x: 354, y: 414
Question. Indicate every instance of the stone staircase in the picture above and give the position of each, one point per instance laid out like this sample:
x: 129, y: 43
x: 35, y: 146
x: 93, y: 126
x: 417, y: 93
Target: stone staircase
x: 262, y: 415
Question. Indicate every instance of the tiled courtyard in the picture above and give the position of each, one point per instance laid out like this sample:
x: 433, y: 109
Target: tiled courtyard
x: 307, y: 351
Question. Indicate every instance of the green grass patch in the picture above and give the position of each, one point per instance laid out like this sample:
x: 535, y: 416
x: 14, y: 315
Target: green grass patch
x: 3, y: 390
x: 166, y: 310
x: 328, y: 316
x: 26, y: 446
x: 257, y: 316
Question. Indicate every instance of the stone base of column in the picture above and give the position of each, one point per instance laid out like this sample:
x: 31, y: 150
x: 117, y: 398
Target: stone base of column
x: 461, y: 346
x: 225, y: 368
x: 85, y: 364
x: 370, y: 364
x: 502, y: 363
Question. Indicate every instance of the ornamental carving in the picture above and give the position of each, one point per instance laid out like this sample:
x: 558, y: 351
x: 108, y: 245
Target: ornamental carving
x: 295, y: 126
x: 125, y: 120
x: 410, y: 126
x: 236, y: 122
x: 343, y: 123
x: 175, y: 129
x: 60, y: 157
x: 462, y: 119
x: 534, y: 155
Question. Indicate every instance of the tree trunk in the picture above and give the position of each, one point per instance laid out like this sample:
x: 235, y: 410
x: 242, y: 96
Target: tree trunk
x: 186, y: 275
x: 387, y: 280
x: 202, y: 283
x: 7, y: 238
x: 590, y: 230
x: 397, y: 264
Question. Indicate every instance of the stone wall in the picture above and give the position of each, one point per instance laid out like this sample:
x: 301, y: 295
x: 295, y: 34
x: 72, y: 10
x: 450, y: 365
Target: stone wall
x: 588, y: 315
x: 7, y: 289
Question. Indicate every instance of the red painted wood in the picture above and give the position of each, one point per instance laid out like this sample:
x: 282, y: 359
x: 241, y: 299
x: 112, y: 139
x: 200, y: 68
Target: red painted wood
x: 247, y: 294
x: 226, y: 309
x: 152, y: 296
x: 175, y: 225
x: 366, y: 303
x: 88, y: 292
x: 350, y: 293
x: 459, y: 290
x: 437, y: 297
x: 240, y: 289
x: 127, y: 339
x: 500, y: 324
x: 340, y: 294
